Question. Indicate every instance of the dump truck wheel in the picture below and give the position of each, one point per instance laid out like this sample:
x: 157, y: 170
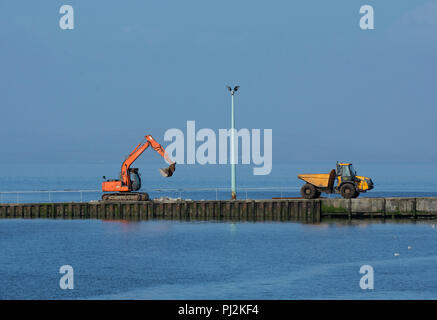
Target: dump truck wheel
x: 348, y: 191
x: 308, y: 191
x: 318, y: 193
x: 357, y: 194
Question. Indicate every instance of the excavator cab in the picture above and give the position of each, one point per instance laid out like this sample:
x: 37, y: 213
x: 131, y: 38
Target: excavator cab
x: 135, y: 179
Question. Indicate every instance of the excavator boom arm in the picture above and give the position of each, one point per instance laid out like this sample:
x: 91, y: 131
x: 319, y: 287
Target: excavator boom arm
x: 158, y: 148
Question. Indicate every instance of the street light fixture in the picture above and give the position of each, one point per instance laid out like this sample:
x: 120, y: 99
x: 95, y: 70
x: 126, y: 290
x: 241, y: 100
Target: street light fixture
x: 233, y: 151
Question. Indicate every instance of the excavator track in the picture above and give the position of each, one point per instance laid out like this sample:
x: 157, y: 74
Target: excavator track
x: 126, y: 196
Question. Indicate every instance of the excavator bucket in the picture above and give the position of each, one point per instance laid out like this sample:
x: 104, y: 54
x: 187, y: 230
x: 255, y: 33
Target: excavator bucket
x: 168, y: 172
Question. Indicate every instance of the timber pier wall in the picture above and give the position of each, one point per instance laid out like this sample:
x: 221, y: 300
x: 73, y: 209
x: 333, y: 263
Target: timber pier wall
x: 310, y: 211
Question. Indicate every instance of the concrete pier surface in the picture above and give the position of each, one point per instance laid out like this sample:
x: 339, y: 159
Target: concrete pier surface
x: 309, y: 211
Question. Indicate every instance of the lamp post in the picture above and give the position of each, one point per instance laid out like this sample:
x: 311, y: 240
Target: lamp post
x: 233, y: 151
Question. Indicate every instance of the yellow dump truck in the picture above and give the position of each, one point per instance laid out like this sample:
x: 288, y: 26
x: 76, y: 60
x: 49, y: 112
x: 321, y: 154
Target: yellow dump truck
x: 349, y: 185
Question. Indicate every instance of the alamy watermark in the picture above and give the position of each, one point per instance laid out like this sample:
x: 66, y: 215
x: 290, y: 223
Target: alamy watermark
x: 67, y: 280
x: 367, y: 21
x: 184, y: 149
x: 367, y: 280
x: 66, y: 22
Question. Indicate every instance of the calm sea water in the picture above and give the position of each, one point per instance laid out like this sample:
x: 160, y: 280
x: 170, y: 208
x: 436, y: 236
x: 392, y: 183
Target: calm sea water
x: 215, y: 260
x: 204, y: 260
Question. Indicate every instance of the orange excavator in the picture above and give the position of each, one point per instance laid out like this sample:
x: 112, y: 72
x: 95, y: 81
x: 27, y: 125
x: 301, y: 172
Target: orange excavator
x: 130, y: 178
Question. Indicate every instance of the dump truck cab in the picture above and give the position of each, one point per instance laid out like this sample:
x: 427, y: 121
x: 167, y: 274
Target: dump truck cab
x: 347, y: 174
x: 349, y: 184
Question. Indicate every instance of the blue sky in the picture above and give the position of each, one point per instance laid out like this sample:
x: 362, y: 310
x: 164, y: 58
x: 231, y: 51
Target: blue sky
x: 329, y: 90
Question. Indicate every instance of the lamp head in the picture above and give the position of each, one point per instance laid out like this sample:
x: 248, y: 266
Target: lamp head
x: 232, y: 91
